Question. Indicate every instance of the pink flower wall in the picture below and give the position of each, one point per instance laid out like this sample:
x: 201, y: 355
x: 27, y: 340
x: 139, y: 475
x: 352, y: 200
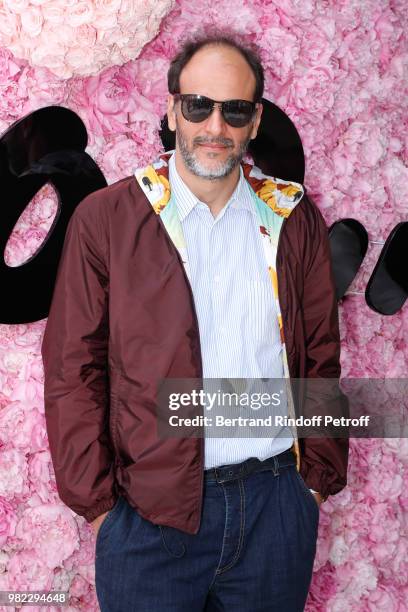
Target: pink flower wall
x: 339, y: 69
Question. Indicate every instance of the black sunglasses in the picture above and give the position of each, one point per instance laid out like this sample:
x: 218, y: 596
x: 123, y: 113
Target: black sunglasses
x: 196, y: 108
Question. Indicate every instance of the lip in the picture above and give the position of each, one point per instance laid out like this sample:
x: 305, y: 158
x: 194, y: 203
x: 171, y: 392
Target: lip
x: 211, y: 146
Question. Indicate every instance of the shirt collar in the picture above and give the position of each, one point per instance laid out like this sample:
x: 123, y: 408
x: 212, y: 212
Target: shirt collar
x: 241, y: 199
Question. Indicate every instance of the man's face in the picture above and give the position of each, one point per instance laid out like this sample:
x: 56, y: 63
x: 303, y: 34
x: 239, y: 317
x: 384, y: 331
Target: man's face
x: 212, y: 149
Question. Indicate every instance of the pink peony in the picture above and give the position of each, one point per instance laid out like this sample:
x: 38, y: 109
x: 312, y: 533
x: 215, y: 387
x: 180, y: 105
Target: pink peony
x: 313, y: 92
x: 120, y: 158
x: 318, y: 42
x: 17, y: 423
x: 50, y: 530
x: 27, y: 572
x: 41, y: 476
x: 281, y: 50
x: 7, y: 521
x: 322, y: 589
x: 13, y: 473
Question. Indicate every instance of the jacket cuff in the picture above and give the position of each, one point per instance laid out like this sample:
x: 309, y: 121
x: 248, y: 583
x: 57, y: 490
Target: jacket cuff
x: 99, y: 508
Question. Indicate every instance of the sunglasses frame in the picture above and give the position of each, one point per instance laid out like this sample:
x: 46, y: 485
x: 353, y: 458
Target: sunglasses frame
x: 220, y: 103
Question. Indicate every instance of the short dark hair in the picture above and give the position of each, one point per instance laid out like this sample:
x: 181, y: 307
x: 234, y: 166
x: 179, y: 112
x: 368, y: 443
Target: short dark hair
x: 190, y: 47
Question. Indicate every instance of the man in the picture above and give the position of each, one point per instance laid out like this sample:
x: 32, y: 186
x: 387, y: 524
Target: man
x: 198, y: 266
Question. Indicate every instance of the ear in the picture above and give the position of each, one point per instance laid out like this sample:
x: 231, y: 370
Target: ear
x: 171, y: 113
x: 257, y: 120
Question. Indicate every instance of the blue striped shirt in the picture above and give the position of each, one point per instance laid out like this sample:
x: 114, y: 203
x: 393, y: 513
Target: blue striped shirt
x: 233, y: 296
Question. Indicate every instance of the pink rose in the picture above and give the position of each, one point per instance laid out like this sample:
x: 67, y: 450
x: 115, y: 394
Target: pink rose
x: 124, y: 15
x: 53, y: 34
x: 16, y: 6
x: 32, y: 21
x: 53, y: 13
x: 79, y: 59
x: 110, y: 6
x: 80, y: 13
x: 107, y: 23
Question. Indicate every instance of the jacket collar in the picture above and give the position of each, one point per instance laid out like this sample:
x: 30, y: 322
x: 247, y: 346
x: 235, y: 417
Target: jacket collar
x: 279, y: 195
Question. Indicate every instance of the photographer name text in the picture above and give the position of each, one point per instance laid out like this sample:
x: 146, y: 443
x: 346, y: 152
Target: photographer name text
x: 269, y: 421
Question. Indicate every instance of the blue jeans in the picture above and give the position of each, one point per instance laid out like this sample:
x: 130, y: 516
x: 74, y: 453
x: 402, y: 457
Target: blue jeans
x: 254, y: 551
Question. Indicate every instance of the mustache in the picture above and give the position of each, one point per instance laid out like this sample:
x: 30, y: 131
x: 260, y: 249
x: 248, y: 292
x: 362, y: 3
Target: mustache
x: 226, y: 142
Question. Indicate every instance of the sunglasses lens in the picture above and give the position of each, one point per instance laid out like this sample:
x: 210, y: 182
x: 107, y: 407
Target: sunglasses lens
x: 238, y: 113
x: 196, y: 109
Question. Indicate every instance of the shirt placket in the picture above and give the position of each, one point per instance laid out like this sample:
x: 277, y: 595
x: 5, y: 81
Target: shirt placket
x: 213, y: 267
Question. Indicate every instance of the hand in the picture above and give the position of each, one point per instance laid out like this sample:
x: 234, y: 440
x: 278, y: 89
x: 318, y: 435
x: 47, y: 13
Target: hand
x: 98, y: 521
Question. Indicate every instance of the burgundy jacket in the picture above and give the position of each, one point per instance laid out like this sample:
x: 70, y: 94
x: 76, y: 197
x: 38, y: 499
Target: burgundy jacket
x: 123, y: 316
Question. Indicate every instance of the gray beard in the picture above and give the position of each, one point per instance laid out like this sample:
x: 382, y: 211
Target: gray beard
x: 223, y: 169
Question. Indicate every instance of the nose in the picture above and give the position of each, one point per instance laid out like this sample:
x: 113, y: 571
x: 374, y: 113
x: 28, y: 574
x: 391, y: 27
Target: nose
x: 215, y: 123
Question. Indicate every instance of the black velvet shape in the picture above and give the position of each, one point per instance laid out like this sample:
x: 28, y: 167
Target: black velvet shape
x: 46, y: 146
